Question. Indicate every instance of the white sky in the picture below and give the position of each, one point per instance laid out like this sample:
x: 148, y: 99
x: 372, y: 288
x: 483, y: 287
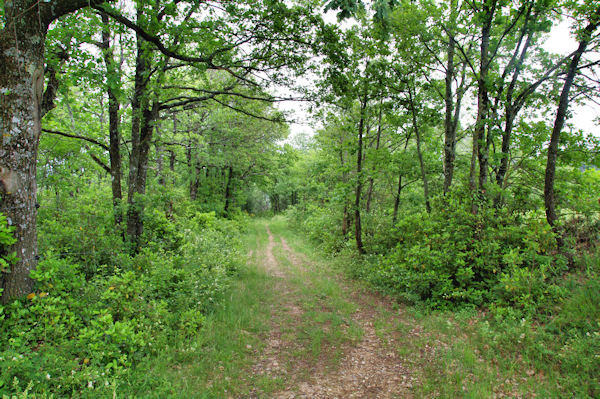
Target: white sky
x: 559, y: 41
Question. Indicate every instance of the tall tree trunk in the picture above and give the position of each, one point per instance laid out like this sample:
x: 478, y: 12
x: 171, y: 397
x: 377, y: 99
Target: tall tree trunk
x: 506, y: 138
x: 345, y: 211
x: 397, y: 199
x: 139, y: 107
x: 345, y: 220
x: 449, y: 122
x: 145, y: 111
x: 135, y: 222
x: 480, y: 142
x: 419, y: 152
x: 449, y: 133
x: 160, y: 155
x: 191, y: 163
x: 22, y: 45
x: 482, y: 97
x: 113, y: 121
x: 563, y: 105
x: 511, y: 109
x: 172, y: 152
x: 374, y: 168
x: 359, y: 159
x: 21, y: 90
x: 229, y: 191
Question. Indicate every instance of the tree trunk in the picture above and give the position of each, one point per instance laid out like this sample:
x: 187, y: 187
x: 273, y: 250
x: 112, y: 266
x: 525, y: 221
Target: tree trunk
x: 511, y: 109
x: 506, y: 138
x: 142, y: 119
x: 397, y: 199
x: 229, y: 191
x: 419, y: 152
x: 113, y: 121
x: 377, y: 143
x: 482, y: 98
x: 357, y: 222
x: 159, y: 156
x: 480, y: 144
x: 21, y: 90
x: 22, y: 42
x: 561, y: 112
x: 450, y: 124
x: 345, y: 221
x: 194, y: 181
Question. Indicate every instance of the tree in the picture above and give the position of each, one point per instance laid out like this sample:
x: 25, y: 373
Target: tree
x: 585, y: 37
x: 22, y: 46
x: 274, y: 45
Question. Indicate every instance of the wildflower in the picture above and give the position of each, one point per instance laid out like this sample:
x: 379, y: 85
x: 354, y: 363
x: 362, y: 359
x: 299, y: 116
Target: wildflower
x: 90, y: 384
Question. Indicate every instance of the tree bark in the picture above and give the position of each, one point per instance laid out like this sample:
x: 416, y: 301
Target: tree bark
x: 22, y: 46
x: 449, y: 132
x: 419, y: 152
x: 374, y: 168
x: 452, y: 110
x: 113, y: 121
x: 21, y: 82
x: 357, y: 221
x: 345, y: 212
x: 511, y: 109
x: 159, y: 157
x: 142, y: 126
x: 482, y: 95
x: 229, y: 191
x: 397, y: 199
x: 561, y: 112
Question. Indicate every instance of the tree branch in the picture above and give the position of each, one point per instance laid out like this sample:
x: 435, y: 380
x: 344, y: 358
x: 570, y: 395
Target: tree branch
x: 74, y: 136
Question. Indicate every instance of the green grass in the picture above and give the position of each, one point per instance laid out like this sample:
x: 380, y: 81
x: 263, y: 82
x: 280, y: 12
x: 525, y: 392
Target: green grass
x: 469, y: 354
x: 215, y: 363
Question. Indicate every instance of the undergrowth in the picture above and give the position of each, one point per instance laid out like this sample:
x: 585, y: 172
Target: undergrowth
x: 98, y: 315
x: 533, y: 323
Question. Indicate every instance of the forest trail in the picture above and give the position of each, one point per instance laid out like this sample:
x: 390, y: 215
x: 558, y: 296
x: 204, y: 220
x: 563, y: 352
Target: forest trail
x: 326, y: 338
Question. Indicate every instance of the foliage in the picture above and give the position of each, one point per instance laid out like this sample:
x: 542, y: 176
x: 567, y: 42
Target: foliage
x: 6, y: 240
x: 452, y: 257
x: 96, y: 313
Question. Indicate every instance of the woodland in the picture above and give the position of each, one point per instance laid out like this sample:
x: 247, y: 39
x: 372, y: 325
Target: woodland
x: 145, y: 158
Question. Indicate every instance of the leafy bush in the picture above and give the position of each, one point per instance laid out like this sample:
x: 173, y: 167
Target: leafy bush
x: 321, y: 224
x: 93, y: 316
x: 455, y: 257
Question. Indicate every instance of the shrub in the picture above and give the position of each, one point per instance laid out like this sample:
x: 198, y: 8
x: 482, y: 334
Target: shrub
x: 453, y: 257
x: 89, y: 323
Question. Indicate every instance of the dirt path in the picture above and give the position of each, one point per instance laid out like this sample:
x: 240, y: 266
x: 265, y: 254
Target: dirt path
x: 352, y: 358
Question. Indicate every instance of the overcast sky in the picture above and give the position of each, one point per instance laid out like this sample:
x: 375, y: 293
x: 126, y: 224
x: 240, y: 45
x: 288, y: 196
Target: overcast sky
x: 559, y: 41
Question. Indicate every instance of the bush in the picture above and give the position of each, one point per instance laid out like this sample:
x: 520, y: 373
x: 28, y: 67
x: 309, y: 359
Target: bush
x: 92, y: 318
x: 453, y: 257
x: 321, y: 224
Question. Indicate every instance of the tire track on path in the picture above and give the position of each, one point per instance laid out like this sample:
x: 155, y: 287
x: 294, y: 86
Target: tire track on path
x: 366, y: 368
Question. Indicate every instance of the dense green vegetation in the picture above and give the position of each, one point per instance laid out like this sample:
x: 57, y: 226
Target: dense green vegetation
x: 446, y: 172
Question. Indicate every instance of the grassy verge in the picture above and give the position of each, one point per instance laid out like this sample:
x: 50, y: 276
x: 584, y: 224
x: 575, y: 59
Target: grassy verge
x: 214, y: 363
x: 470, y: 353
